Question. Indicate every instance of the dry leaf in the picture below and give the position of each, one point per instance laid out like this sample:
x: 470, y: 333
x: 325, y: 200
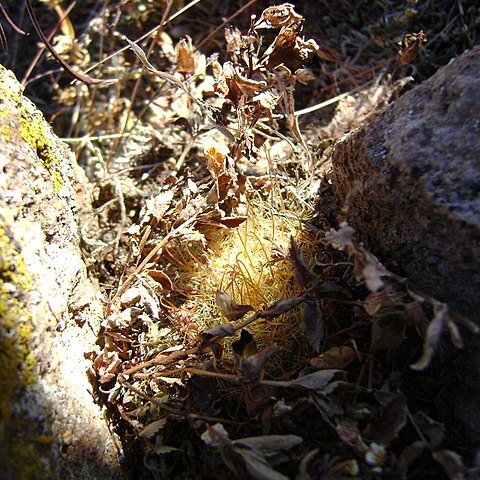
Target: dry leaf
x: 252, y: 367
x: 229, y: 308
x: 186, y: 61
x: 161, y: 278
x: 245, y: 346
x: 269, y: 443
x: 151, y: 429
x: 385, y: 428
x: 280, y: 306
x: 221, y: 331
x: 312, y: 319
x: 412, y: 43
x: 215, y: 154
x: 301, y: 270
x: 452, y: 463
x: 314, y: 381
x: 278, y: 16
x: 434, y: 331
x: 216, y: 436
x: 341, y: 239
x: 335, y: 357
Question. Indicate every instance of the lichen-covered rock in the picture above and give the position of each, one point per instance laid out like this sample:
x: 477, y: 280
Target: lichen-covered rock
x: 413, y: 172
x: 50, y: 426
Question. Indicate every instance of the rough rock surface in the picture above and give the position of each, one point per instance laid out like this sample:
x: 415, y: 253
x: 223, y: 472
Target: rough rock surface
x: 50, y: 312
x: 413, y: 172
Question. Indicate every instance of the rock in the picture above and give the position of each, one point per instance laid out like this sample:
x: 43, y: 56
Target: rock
x: 50, y: 426
x: 413, y: 176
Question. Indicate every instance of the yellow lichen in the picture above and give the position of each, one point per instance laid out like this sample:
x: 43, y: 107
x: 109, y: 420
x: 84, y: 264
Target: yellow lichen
x: 32, y: 131
x: 17, y: 363
x: 21, y: 459
x: 7, y: 134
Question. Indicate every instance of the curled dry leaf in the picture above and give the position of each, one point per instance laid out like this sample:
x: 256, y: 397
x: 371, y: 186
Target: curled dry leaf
x: 157, y: 206
x: 368, y: 268
x: 278, y: 16
x: 341, y: 239
x: 252, y: 367
x: 335, y: 357
x: 452, y: 463
x: 216, y: 436
x: 411, y: 45
x: 229, y: 308
x: 245, y: 346
x: 280, y: 307
x: 434, y: 331
x: 161, y: 278
x: 215, y: 153
x: 221, y: 331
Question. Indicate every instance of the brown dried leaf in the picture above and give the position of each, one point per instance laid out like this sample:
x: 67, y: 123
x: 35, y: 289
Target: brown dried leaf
x: 280, y: 307
x: 434, y: 331
x: 248, y: 86
x: 374, y: 301
x: 215, y: 154
x: 246, y: 345
x: 186, y: 61
x: 221, y: 331
x: 234, y: 40
x: 229, y: 308
x: 412, y: 44
x: 350, y: 435
x: 312, y: 318
x: 332, y: 289
x: 452, y: 463
x: 278, y: 16
x: 301, y: 270
x: 335, y: 357
x: 393, y: 418
x: 232, y: 222
x: 256, y: 397
x: 161, y: 278
x: 252, y: 366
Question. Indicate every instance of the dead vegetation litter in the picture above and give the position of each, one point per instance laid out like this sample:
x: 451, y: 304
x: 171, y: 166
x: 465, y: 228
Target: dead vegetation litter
x: 234, y: 320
